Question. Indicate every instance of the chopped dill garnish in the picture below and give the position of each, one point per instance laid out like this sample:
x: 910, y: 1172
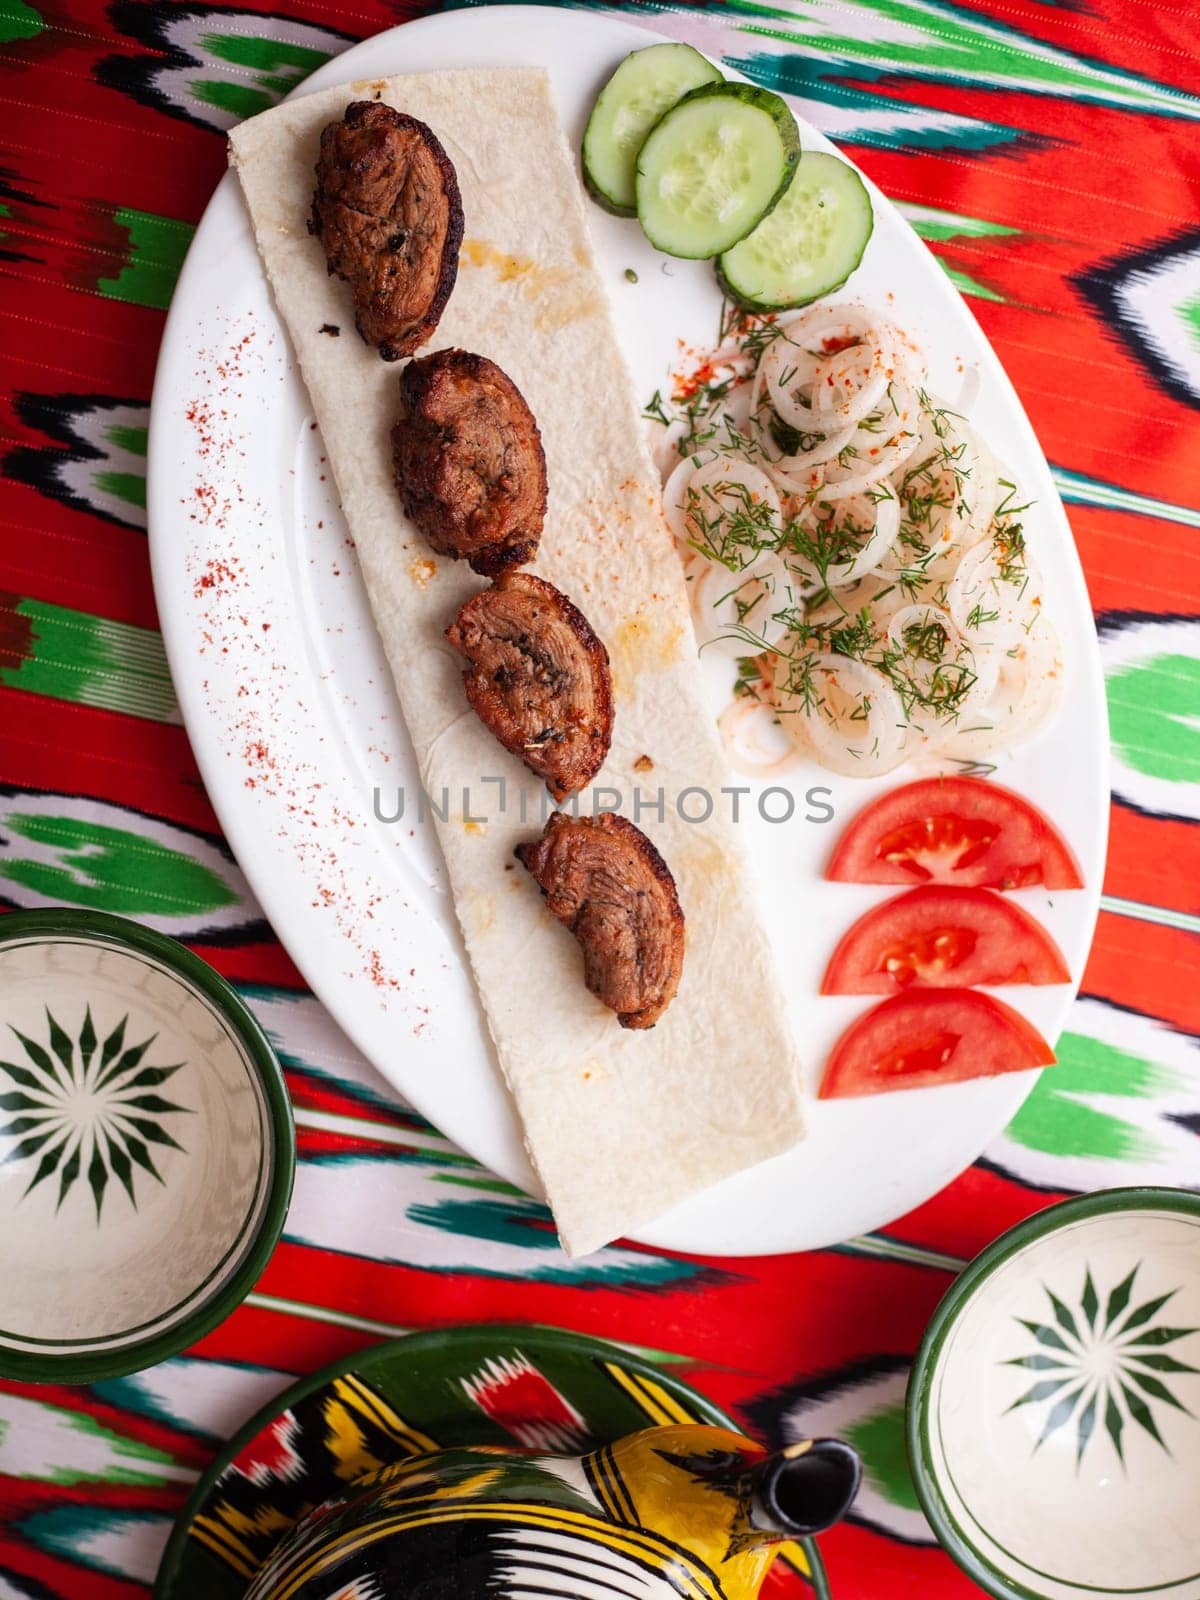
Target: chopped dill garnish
x: 731, y: 526
x: 1008, y: 537
x: 749, y: 678
x: 655, y: 410
x: 792, y: 441
x: 977, y: 616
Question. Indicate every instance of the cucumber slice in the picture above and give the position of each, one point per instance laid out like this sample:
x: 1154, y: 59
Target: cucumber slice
x: 713, y: 166
x: 808, y: 245
x: 646, y: 84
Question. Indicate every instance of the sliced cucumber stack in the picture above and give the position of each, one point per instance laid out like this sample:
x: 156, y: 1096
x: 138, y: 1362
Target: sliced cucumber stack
x: 808, y: 245
x: 646, y: 84
x: 712, y: 167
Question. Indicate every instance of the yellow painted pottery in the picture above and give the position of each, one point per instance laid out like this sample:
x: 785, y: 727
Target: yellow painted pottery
x: 687, y: 1510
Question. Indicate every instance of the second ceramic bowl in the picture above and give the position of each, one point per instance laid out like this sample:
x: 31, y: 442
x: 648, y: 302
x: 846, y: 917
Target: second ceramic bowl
x: 147, y: 1147
x: 1054, y: 1408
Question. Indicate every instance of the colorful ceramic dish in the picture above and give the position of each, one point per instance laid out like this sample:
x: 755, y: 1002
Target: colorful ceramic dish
x: 148, y: 1147
x: 679, y: 1506
x: 538, y: 1388
x: 1054, y: 1408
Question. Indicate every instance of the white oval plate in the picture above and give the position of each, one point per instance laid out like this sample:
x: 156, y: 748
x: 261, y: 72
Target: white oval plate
x: 294, y: 721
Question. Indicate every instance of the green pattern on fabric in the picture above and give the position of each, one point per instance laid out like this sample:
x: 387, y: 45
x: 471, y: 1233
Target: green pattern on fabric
x: 879, y: 1439
x: 70, y: 655
x: 109, y: 869
x: 125, y: 485
x: 481, y: 1185
x: 505, y: 1221
x: 265, y: 55
x: 903, y: 127
x: 275, y: 67
x: 19, y: 21
x: 1078, y: 489
x: 95, y: 1537
x: 1154, y: 715
x: 156, y: 248
x: 941, y: 227
x: 1055, y: 1120
x: 238, y: 99
x: 921, y: 37
x: 966, y: 284
x: 135, y: 440
x: 937, y: 226
x: 79, y: 1449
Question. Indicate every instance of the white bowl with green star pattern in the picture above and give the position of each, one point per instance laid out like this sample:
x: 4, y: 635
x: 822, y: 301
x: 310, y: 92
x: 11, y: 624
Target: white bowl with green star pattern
x: 146, y: 1147
x: 1054, y: 1407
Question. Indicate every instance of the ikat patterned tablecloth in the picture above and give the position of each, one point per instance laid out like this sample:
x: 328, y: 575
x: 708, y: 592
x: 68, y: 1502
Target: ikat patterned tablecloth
x: 1048, y: 151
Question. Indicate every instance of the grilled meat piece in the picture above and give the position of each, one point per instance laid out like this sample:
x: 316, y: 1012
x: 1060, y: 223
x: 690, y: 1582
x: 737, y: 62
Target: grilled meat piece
x: 388, y: 211
x: 609, y: 885
x: 538, y: 678
x: 469, y: 462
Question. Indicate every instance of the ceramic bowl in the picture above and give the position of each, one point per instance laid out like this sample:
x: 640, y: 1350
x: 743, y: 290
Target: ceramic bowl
x: 543, y: 1389
x: 146, y: 1147
x: 1054, y: 1408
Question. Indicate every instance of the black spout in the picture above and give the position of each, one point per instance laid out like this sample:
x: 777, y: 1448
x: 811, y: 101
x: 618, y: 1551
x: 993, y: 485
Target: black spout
x: 804, y: 1489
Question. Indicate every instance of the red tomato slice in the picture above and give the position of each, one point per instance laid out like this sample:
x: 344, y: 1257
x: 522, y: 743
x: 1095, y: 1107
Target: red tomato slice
x: 931, y: 1036
x: 939, y: 937
x: 954, y: 830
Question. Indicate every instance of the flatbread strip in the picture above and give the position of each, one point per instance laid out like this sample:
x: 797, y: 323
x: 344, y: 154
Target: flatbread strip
x: 620, y: 1125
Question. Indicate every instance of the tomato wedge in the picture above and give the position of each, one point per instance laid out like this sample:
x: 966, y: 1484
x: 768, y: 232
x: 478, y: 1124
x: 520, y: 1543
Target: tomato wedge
x: 938, y: 937
x: 931, y: 1036
x: 954, y: 830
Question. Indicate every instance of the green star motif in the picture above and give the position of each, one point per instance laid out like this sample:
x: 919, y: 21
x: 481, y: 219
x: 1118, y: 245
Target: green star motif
x: 1102, y: 1363
x: 86, y: 1107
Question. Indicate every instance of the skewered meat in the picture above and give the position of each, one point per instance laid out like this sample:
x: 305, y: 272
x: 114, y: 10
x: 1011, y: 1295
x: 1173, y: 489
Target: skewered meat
x: 468, y: 461
x: 387, y: 210
x: 538, y: 678
x: 609, y: 885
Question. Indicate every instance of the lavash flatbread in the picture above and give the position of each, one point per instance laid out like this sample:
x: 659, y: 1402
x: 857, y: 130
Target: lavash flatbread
x: 620, y: 1125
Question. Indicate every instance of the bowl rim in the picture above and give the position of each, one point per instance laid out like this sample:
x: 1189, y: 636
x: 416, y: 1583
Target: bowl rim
x: 103, y: 927
x: 956, y: 1543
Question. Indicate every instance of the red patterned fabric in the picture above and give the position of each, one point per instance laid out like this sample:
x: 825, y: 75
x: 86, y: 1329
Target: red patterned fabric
x: 1050, y: 155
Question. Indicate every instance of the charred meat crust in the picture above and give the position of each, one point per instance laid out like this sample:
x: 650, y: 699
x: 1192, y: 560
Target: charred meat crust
x: 468, y: 461
x: 538, y: 678
x: 388, y: 211
x: 607, y: 883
